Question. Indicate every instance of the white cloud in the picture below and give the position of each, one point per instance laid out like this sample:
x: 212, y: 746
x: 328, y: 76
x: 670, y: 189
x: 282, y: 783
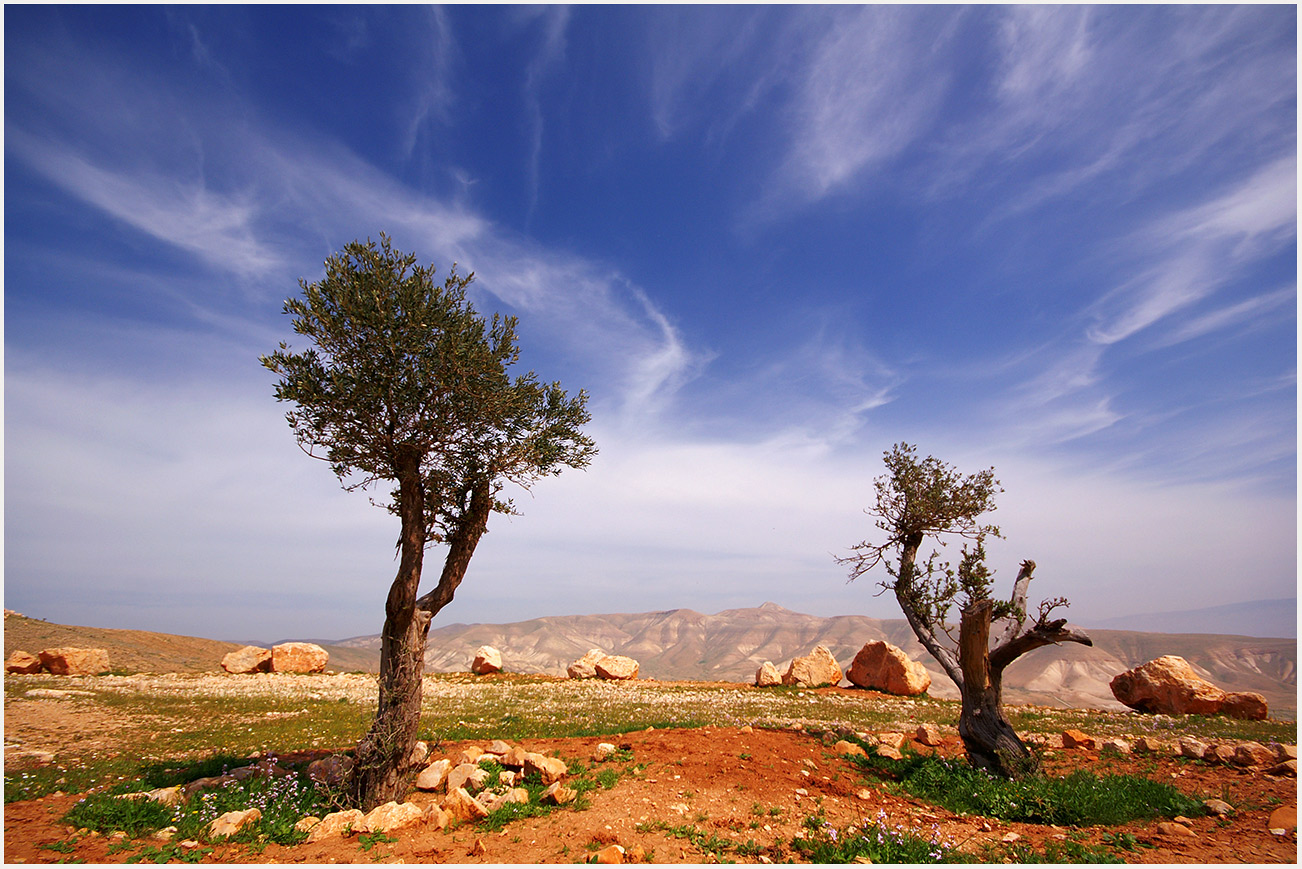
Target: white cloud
x: 869, y: 90
x: 219, y: 228
x: 1199, y: 249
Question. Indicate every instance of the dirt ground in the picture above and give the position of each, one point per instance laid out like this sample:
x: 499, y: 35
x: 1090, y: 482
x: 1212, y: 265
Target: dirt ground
x: 758, y: 786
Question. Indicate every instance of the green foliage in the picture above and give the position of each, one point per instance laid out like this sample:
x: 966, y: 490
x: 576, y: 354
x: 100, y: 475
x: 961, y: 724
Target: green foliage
x: 921, y: 498
x: 108, y: 813
x: 169, y: 853
x: 367, y: 841
x: 1078, y: 799
x: 404, y: 377
x: 282, y: 801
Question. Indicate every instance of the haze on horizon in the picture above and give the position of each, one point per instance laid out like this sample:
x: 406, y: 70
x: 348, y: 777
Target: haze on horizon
x: 769, y: 241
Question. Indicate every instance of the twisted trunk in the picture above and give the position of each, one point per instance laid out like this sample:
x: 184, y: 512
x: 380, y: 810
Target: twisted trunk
x: 991, y: 742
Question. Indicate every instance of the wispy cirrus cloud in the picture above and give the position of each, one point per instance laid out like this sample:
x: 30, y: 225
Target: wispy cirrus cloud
x: 220, y: 228
x: 1199, y: 249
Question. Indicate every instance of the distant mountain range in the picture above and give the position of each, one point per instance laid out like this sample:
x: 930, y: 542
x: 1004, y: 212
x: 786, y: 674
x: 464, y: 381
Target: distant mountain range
x: 1256, y: 618
x: 729, y: 646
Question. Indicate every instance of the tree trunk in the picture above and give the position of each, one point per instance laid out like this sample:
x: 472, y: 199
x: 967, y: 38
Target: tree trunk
x: 384, y: 753
x: 991, y: 742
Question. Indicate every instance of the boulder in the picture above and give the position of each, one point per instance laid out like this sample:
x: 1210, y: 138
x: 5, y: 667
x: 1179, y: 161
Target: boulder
x: 232, y: 822
x: 250, y: 659
x: 298, y: 658
x: 74, y: 662
x: 342, y: 823
x: 616, y: 667
x: 816, y: 669
x: 1168, y: 685
x: 432, y: 777
x: 391, y: 816
x: 767, y: 675
x: 585, y: 667
x: 880, y: 666
x: 487, y: 660
x: 23, y: 662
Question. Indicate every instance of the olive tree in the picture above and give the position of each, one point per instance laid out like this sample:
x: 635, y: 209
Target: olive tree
x: 918, y: 499
x: 405, y: 384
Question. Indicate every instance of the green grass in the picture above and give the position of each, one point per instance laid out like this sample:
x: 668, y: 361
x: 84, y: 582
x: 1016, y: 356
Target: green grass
x: 1078, y: 799
x: 873, y: 840
x: 282, y: 802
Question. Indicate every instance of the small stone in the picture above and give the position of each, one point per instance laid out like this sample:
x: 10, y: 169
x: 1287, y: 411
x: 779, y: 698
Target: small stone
x: 391, y: 816
x: 468, y: 776
x: 1252, y: 754
x: 470, y: 754
x: 1192, y: 748
x: 342, y: 823
x: 1287, y: 768
x: 437, y: 818
x: 189, y: 843
x: 306, y: 823
x: 746, y: 728
x: 1283, y: 818
x: 419, y: 752
x: 1166, y: 828
x: 232, y: 822
x: 1181, y: 819
x: 891, y: 739
x: 890, y: 753
x: 463, y: 807
x: 331, y: 771
x: 498, y: 747
x: 507, y: 777
x: 609, y: 855
x: 478, y: 849
x: 864, y: 794
x: 1077, y: 739
x: 1220, y: 808
x: 1009, y: 838
x: 433, y: 777
x: 558, y: 795
x: 166, y: 834
x: 1120, y: 746
x: 1284, y: 752
x: 928, y: 735
x: 1219, y: 753
x: 551, y: 769
x: 845, y: 747
x: 605, y: 749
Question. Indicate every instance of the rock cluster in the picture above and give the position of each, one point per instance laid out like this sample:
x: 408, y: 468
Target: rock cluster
x: 1168, y: 685
x: 60, y: 662
x: 814, y: 670
x: 1273, y: 759
x: 283, y: 658
x: 597, y: 664
x: 881, y: 666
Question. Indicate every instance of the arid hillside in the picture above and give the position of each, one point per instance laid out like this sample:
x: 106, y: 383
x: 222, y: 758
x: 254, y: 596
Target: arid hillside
x: 729, y: 646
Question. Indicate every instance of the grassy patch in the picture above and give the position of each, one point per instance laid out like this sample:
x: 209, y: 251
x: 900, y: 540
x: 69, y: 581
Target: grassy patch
x: 872, y: 841
x: 1079, y: 799
x: 282, y: 802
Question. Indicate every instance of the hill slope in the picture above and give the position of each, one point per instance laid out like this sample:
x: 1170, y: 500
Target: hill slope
x: 147, y: 651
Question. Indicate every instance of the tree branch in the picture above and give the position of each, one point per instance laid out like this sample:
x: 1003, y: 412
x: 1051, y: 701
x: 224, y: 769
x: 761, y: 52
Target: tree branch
x: 1042, y: 634
x: 1012, y: 626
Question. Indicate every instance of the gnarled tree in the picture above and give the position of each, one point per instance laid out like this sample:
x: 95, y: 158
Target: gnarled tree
x: 406, y: 383
x: 921, y: 499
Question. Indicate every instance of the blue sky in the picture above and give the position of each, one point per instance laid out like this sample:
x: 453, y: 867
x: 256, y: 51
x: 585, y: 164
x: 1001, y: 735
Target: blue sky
x: 769, y: 241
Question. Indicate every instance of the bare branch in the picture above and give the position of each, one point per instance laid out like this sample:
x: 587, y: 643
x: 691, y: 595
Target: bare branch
x: 1012, y: 626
